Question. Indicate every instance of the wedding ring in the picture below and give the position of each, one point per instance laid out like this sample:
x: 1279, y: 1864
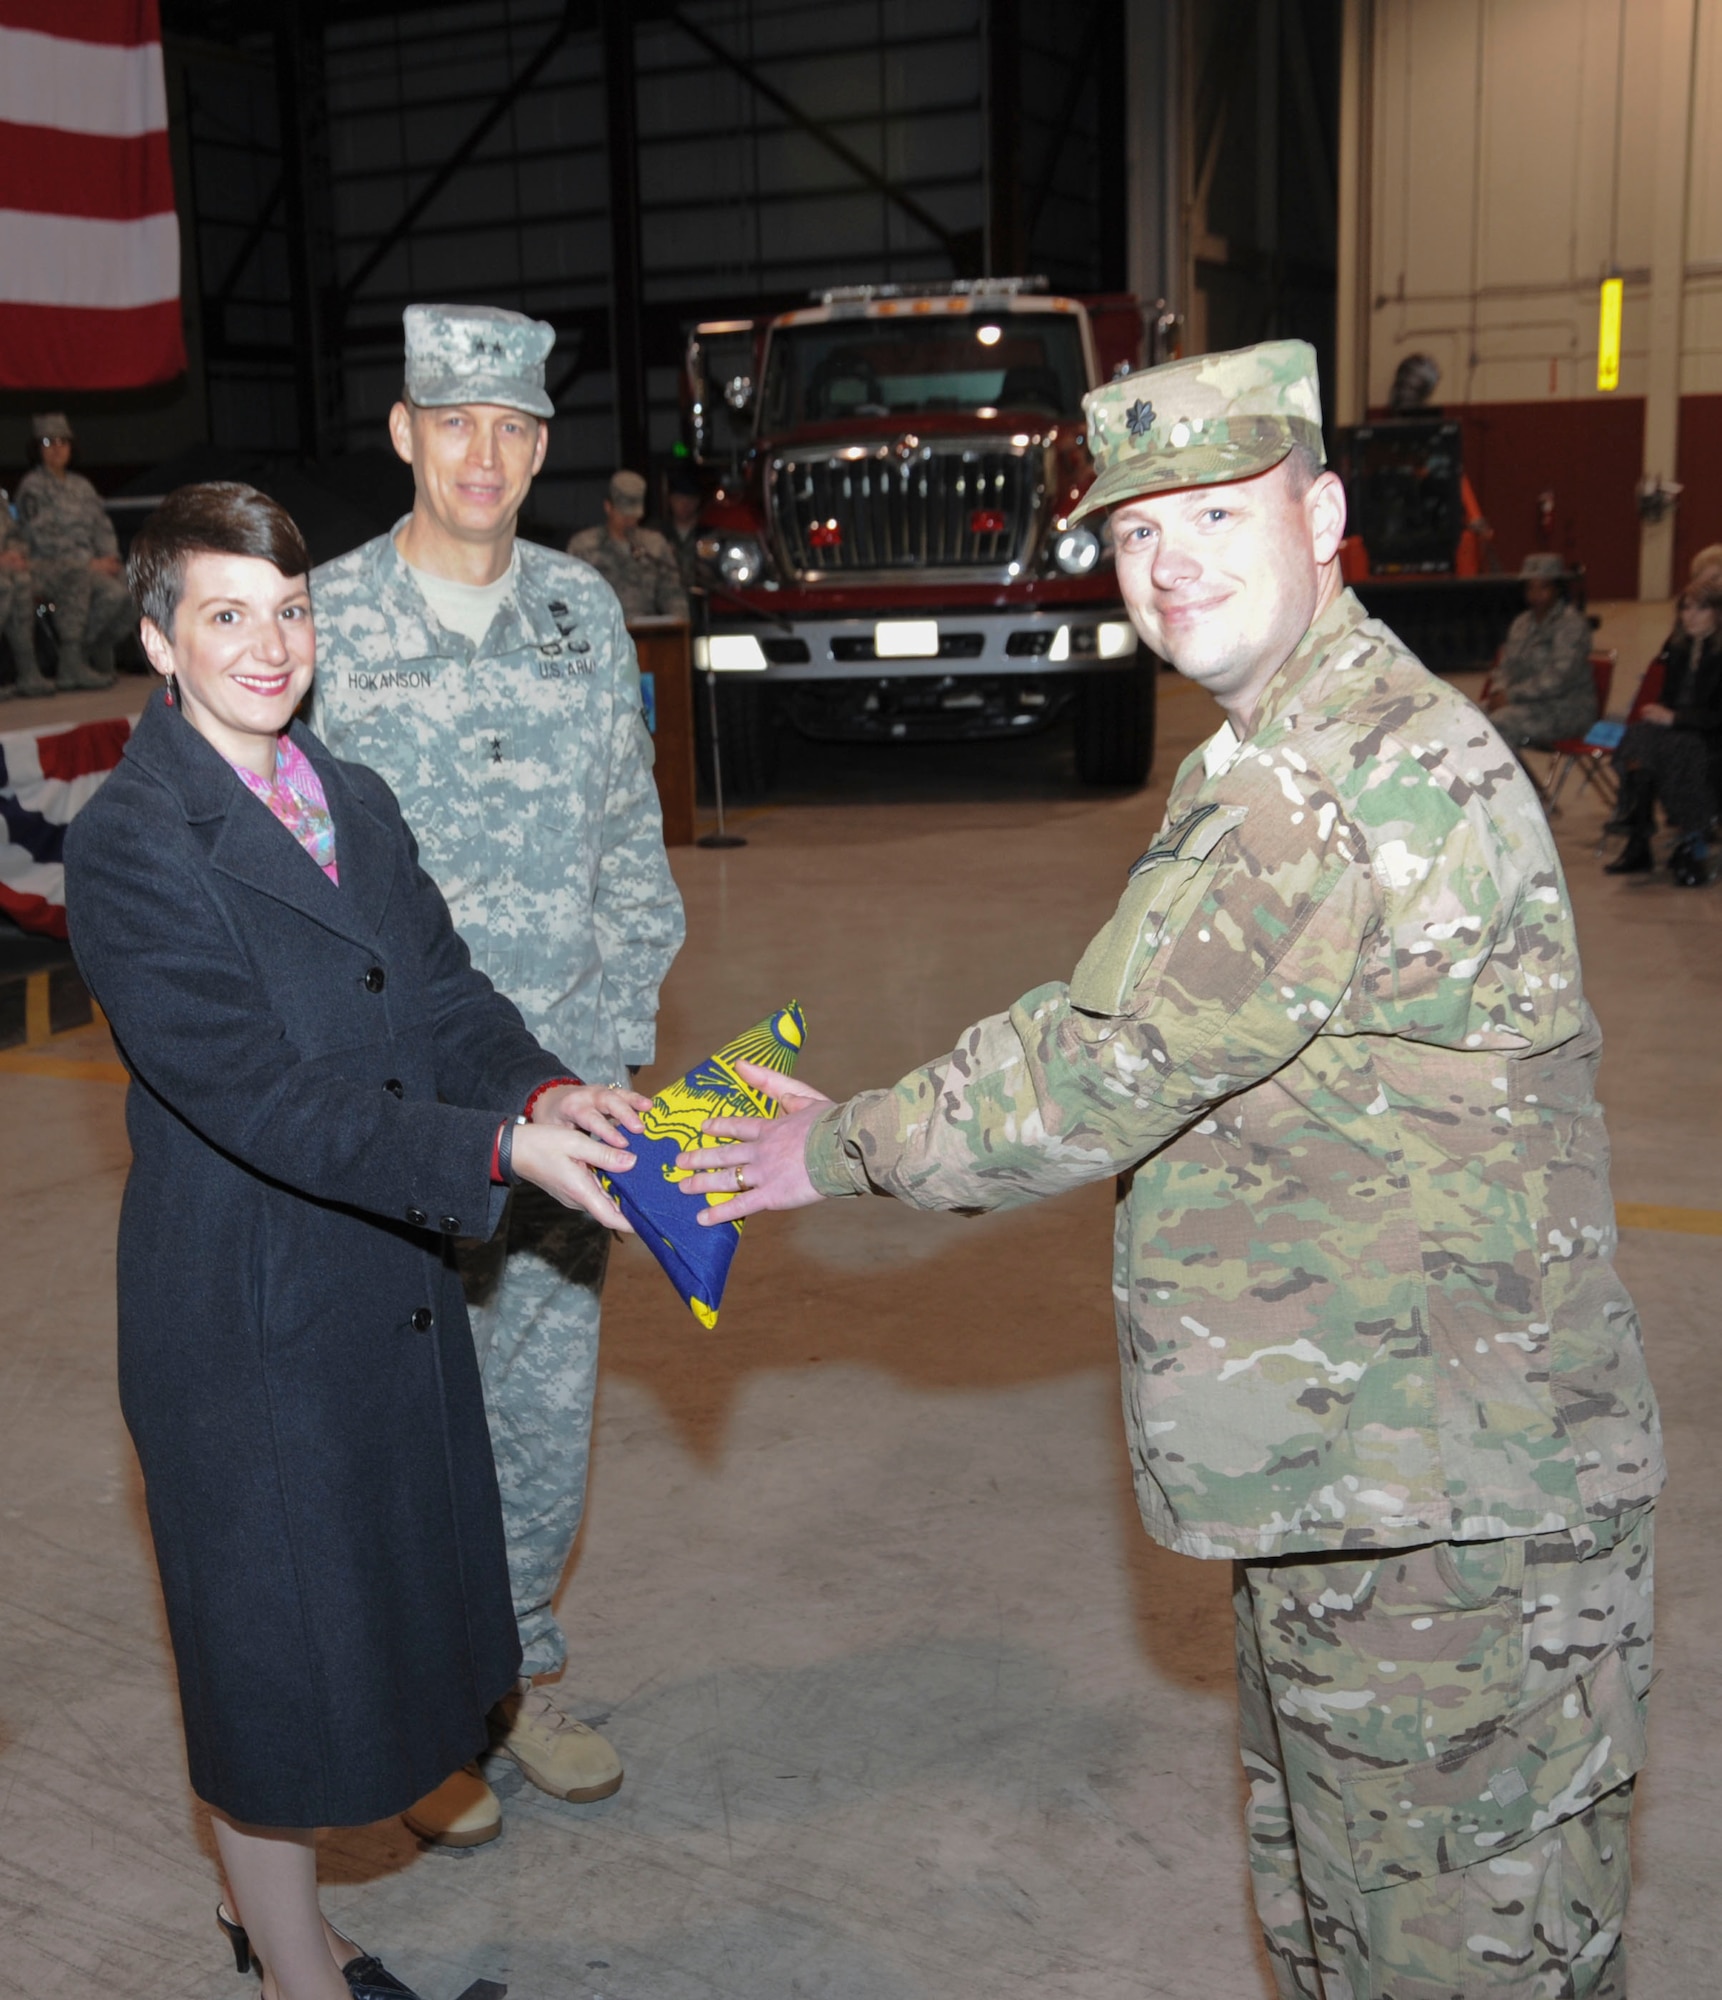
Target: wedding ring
x: 740, y: 1184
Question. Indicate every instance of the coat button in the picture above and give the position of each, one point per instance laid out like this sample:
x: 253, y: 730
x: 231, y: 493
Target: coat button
x: 450, y: 1225
x: 417, y: 1217
x: 423, y: 1320
x: 375, y: 980
x: 393, y: 1087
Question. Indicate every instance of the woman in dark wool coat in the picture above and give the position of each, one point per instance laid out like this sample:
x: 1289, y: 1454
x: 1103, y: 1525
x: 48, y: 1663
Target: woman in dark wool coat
x: 324, y: 1092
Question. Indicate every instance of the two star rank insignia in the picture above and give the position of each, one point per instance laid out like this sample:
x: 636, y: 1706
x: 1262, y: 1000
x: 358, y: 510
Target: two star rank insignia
x: 1139, y: 418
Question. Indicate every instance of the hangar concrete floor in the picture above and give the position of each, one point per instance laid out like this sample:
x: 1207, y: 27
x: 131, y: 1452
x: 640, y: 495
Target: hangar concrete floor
x: 911, y: 1708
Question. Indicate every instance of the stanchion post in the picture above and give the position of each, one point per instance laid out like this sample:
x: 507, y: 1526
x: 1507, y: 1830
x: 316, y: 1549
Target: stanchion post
x: 702, y: 625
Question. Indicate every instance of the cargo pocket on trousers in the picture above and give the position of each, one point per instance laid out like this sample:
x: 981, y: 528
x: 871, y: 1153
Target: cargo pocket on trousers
x: 1548, y: 1760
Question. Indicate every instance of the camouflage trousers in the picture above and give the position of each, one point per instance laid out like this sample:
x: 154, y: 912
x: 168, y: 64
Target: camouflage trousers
x: 18, y: 626
x: 1440, y: 1745
x: 92, y: 613
x: 533, y: 1293
x: 1538, y: 725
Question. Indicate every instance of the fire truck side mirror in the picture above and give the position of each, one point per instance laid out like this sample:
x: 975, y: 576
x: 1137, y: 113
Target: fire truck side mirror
x: 719, y: 390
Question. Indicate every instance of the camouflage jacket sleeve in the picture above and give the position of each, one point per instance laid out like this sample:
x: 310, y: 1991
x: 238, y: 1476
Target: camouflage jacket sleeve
x: 1236, y: 940
x: 636, y: 906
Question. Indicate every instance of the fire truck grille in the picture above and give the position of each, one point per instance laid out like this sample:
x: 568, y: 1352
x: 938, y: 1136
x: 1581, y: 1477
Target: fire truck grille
x: 954, y: 508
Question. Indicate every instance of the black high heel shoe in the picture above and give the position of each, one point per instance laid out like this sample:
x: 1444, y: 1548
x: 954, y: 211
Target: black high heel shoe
x: 235, y: 1935
x: 367, y: 1978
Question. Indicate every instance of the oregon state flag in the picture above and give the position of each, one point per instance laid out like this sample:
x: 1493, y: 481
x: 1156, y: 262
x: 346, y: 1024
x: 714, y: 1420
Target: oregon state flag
x: 697, y: 1257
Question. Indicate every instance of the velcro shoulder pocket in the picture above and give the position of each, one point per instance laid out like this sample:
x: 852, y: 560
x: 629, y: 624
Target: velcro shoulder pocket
x: 1542, y: 1764
x: 1114, y: 963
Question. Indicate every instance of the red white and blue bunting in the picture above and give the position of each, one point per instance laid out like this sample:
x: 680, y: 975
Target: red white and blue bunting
x: 46, y: 778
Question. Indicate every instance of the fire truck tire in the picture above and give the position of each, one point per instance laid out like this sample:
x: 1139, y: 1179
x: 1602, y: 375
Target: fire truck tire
x: 1115, y: 723
x: 747, y: 738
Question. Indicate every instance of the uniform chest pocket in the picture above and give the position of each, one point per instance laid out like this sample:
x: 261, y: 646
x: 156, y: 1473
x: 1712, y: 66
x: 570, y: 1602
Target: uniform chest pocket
x: 1148, y: 911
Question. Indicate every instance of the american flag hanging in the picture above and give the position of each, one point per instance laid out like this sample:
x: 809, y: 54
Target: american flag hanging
x: 89, y: 241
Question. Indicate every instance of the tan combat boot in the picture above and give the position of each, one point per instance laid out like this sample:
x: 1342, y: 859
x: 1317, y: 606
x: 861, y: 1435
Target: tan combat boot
x: 462, y: 1812
x: 566, y: 1758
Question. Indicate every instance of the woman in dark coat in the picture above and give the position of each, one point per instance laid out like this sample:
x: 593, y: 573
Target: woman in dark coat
x: 1672, y: 752
x: 324, y: 1092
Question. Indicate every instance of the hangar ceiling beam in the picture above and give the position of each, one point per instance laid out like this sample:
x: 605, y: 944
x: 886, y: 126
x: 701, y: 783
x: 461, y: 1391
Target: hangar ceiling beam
x: 1081, y: 75
x: 627, y: 280
x: 249, y: 244
x: 953, y: 245
x: 1005, y: 234
x: 576, y: 14
x: 299, y: 101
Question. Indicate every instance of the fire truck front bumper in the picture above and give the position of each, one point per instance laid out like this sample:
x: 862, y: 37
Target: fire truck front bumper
x: 991, y: 643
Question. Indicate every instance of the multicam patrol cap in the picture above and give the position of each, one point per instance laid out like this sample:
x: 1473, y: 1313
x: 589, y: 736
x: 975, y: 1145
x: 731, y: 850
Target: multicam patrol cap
x: 1201, y: 422
x: 628, y: 492
x: 477, y: 354
x: 52, y: 425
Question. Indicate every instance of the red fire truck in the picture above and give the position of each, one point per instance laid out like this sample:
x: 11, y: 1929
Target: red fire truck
x: 890, y: 475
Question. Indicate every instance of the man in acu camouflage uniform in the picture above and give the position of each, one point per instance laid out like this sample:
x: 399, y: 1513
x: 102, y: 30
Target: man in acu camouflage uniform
x: 493, y: 683
x: 75, y: 559
x: 636, y: 562
x: 1374, y: 1347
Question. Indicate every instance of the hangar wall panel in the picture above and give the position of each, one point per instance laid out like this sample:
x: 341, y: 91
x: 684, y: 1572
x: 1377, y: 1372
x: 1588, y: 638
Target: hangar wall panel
x: 1513, y: 165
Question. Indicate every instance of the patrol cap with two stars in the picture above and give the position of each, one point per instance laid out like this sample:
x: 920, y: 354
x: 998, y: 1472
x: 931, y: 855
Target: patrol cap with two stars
x: 477, y: 354
x: 1201, y: 422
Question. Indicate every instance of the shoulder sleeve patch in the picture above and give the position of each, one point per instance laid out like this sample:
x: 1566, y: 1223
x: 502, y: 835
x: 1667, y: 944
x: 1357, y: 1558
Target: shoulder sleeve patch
x: 1194, y: 837
x: 1148, y: 912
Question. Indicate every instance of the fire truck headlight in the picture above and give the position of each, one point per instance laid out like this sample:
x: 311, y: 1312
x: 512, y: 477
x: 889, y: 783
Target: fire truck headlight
x: 1076, y: 551
x: 740, y: 561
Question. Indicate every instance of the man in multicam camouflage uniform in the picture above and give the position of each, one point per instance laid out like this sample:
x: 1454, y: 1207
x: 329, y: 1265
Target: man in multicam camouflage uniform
x: 75, y: 559
x: 493, y: 683
x: 1542, y: 688
x: 636, y: 562
x: 18, y: 609
x: 1374, y: 1347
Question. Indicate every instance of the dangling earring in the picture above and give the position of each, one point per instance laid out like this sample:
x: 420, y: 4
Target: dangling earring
x: 172, y: 691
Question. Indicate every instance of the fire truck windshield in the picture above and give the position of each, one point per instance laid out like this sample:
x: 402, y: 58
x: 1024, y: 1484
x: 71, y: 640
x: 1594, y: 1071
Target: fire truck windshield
x: 985, y: 366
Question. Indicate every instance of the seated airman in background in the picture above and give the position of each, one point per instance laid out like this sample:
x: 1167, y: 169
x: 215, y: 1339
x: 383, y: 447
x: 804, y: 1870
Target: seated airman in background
x: 1542, y: 688
x: 74, y: 557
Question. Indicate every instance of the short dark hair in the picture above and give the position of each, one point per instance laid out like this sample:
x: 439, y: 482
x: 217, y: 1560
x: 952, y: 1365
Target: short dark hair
x: 220, y: 518
x: 1303, y: 469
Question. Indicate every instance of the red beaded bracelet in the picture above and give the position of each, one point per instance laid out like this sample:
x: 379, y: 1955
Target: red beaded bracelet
x: 555, y: 1083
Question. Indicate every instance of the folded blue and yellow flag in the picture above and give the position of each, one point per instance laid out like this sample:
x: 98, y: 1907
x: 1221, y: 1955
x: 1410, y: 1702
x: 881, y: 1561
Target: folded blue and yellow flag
x: 698, y: 1258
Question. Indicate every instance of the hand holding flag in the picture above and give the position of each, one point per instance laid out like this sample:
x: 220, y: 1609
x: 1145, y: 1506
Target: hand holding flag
x: 742, y: 1084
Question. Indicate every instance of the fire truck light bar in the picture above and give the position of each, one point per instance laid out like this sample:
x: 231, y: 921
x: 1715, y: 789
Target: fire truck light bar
x: 952, y: 288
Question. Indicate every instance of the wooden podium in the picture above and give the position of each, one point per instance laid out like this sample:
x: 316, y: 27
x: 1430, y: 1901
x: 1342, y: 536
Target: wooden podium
x: 666, y: 672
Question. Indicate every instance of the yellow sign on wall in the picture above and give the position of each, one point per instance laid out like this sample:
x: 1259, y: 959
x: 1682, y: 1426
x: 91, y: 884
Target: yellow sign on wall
x: 1608, y: 336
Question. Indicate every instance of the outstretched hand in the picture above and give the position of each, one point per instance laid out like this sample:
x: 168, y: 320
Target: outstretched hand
x: 561, y: 1160
x: 766, y: 1166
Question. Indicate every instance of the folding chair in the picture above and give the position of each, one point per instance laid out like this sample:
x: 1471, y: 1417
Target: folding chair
x: 1591, y: 762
